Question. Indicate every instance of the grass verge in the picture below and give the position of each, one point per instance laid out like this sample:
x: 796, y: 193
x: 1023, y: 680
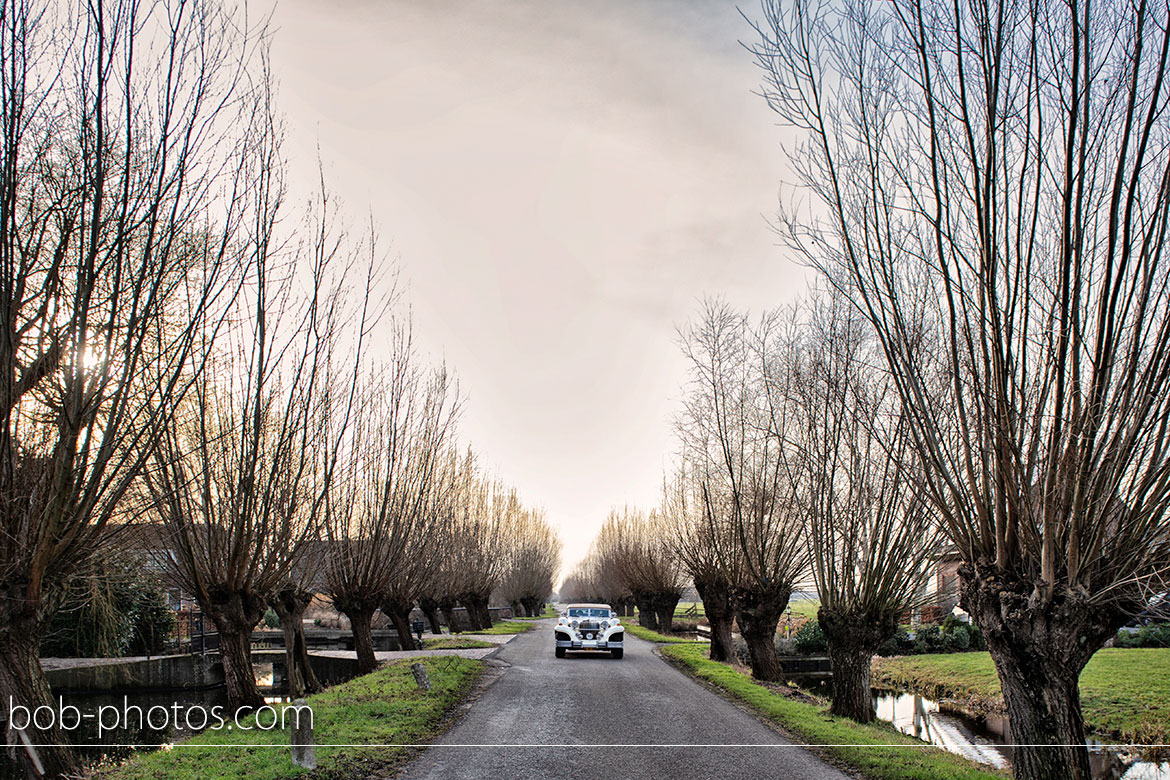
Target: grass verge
x: 654, y: 636
x: 549, y: 612
x: 876, y: 750
x: 505, y: 627
x: 455, y: 643
x: 1125, y: 693
x: 384, y: 707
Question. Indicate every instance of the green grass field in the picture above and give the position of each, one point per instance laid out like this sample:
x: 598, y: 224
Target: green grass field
x: 654, y: 636
x: 877, y: 750
x: 454, y: 643
x: 1125, y: 693
x: 805, y: 608
x: 385, y: 707
x: 505, y: 627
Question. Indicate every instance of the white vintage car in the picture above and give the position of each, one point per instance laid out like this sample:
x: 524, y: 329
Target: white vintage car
x: 592, y: 627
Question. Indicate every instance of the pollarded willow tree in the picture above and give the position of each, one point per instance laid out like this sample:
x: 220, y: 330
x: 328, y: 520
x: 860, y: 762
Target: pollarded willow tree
x: 735, y: 439
x: 872, y: 536
x: 480, y: 544
x: 454, y: 484
x: 240, y: 475
x: 633, y: 552
x: 532, y: 557
x: 994, y: 180
x: 376, y: 511
x: 121, y: 204
x: 708, y: 550
x: 641, y: 548
x: 597, y: 578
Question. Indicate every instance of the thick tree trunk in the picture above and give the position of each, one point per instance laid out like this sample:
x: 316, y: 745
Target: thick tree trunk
x: 647, y: 617
x: 1039, y: 646
x: 430, y: 608
x: 363, y: 638
x: 235, y: 614
x: 478, y: 603
x: 719, y: 606
x: 853, y: 638
x: 473, y: 617
x: 664, y: 606
x: 452, y: 617
x: 758, y: 612
x: 290, y: 605
x: 23, y: 684
x: 518, y: 609
x: 531, y: 606
x: 235, y: 651
x: 399, y: 615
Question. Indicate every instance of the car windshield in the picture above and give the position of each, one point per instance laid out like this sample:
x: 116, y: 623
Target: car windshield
x: 585, y: 612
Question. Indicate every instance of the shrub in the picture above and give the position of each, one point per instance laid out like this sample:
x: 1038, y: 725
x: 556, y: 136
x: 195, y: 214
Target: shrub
x: 958, y: 639
x: 1155, y: 635
x: 810, y: 639
x: 154, y: 620
x: 899, y: 644
x: 977, y: 641
x: 112, y: 609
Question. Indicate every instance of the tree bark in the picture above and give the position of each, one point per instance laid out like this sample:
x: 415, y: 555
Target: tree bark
x: 477, y: 603
x: 664, y: 606
x: 451, y: 616
x: 290, y: 605
x: 363, y: 637
x: 531, y: 606
x: 399, y: 615
x: 719, y: 607
x: 430, y: 608
x: 1039, y: 645
x: 235, y: 613
x: 23, y: 683
x: 758, y: 612
x: 647, y: 617
x: 473, y: 618
x: 853, y: 638
x: 235, y: 652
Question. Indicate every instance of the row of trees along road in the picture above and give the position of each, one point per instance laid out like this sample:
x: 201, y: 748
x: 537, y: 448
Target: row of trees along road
x: 629, y: 563
x: 178, y: 348
x: 794, y: 468
x: 990, y: 189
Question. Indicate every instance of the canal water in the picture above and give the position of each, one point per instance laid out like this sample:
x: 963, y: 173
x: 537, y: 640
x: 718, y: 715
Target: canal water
x: 986, y: 739
x: 144, y: 720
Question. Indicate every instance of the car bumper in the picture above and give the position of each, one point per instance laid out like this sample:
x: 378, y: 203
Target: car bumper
x: 604, y: 643
x: 587, y: 645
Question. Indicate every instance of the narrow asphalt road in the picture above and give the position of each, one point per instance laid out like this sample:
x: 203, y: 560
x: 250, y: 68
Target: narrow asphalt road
x: 544, y: 716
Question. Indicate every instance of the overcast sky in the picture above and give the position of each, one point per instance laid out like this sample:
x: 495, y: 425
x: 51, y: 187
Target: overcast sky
x: 562, y: 183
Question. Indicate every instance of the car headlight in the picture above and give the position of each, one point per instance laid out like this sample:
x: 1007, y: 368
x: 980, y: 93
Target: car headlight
x: 604, y: 624
x: 574, y: 624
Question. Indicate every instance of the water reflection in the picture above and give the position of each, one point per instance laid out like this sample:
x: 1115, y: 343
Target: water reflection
x: 921, y: 718
x: 983, y: 739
